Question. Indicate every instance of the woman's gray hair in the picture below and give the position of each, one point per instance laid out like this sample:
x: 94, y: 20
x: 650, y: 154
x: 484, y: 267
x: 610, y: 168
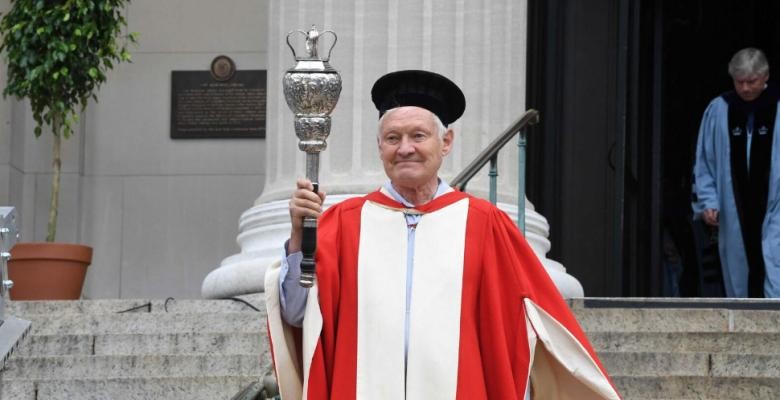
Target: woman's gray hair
x: 749, y: 61
x: 436, y: 120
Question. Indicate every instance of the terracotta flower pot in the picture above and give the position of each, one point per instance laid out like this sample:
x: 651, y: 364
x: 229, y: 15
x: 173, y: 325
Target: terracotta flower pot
x: 48, y: 271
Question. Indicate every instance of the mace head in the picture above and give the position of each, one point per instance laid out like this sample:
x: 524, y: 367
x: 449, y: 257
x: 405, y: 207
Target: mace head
x: 311, y: 38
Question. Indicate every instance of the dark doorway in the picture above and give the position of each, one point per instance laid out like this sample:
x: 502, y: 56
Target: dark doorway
x: 621, y: 86
x: 699, y: 39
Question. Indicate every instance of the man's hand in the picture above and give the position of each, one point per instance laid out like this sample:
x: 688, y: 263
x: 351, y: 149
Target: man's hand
x: 710, y: 216
x: 304, y: 203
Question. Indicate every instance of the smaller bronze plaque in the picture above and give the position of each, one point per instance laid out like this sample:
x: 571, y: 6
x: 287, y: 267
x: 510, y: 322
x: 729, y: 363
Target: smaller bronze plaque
x: 222, y: 68
x: 221, y: 103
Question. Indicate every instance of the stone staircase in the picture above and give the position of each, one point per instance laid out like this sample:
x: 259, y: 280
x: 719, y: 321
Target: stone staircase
x: 687, y: 349
x: 210, y: 349
x: 137, y: 349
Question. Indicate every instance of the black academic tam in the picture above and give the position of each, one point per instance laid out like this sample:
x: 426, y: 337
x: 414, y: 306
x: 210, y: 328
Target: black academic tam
x: 419, y: 88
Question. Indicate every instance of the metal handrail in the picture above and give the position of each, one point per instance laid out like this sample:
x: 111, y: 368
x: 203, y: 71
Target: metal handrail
x: 490, y: 154
x: 529, y: 118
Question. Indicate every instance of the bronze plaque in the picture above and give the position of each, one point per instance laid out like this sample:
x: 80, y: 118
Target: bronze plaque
x: 205, y: 107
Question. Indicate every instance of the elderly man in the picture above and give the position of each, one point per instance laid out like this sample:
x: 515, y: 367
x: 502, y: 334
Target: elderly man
x: 737, y: 178
x: 422, y: 292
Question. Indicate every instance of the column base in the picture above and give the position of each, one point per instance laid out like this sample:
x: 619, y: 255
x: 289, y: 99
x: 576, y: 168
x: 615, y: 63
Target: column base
x: 264, y: 228
x: 537, y: 233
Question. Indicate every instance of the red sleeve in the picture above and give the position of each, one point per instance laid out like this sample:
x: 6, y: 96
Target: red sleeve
x: 509, y: 272
x: 529, y: 280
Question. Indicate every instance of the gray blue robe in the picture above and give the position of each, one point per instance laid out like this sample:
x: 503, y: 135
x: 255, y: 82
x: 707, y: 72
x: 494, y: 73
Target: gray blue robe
x: 714, y: 188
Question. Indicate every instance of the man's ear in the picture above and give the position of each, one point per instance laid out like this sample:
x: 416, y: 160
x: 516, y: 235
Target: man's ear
x: 447, y: 140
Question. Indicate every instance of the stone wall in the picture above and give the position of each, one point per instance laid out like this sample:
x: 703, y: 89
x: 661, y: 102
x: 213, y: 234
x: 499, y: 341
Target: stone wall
x: 160, y: 213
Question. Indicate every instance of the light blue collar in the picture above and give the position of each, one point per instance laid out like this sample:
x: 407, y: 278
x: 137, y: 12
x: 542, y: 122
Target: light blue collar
x: 442, y: 189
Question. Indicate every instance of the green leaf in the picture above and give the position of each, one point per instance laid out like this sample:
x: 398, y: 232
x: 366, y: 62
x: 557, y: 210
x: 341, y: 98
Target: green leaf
x: 58, y: 52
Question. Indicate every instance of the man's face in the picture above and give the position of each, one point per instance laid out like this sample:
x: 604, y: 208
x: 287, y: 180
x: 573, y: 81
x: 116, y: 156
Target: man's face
x: 749, y: 87
x: 410, y: 147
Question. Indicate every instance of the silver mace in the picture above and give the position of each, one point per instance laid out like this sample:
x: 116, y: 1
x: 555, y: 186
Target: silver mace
x: 311, y: 89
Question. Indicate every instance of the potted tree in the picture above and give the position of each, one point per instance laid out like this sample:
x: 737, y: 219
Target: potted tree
x: 58, y: 54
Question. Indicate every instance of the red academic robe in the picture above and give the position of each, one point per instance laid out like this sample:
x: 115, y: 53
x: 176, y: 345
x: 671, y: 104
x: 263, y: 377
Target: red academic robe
x: 484, y: 316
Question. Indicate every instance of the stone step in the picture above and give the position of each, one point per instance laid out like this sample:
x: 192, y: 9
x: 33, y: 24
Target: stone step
x: 677, y: 320
x: 215, y: 388
x: 52, y: 345
x: 686, y: 387
x: 201, y: 388
x: 655, y: 364
x: 698, y: 342
x: 691, y: 364
x: 652, y: 320
x: 618, y: 319
x: 676, y: 302
x: 112, y: 306
x: 677, y: 314
x: 146, y: 366
x: 592, y: 319
x: 620, y: 364
x: 746, y: 365
x: 18, y: 390
x: 193, y: 343
x: 148, y: 323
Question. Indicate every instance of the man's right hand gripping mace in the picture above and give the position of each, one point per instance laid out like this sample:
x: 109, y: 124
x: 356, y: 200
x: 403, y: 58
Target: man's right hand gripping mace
x: 311, y: 88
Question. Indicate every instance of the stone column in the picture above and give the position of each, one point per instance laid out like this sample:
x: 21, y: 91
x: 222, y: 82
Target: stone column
x: 463, y: 40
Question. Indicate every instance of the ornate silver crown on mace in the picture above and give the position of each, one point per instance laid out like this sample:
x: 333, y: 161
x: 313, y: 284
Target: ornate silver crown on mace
x: 311, y: 89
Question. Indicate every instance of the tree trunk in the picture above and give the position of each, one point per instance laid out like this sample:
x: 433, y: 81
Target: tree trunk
x: 55, y: 182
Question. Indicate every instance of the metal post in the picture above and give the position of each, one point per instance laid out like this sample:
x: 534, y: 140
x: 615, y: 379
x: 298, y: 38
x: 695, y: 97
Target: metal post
x: 7, y: 240
x: 521, y: 144
x: 12, y: 329
x: 493, y: 174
